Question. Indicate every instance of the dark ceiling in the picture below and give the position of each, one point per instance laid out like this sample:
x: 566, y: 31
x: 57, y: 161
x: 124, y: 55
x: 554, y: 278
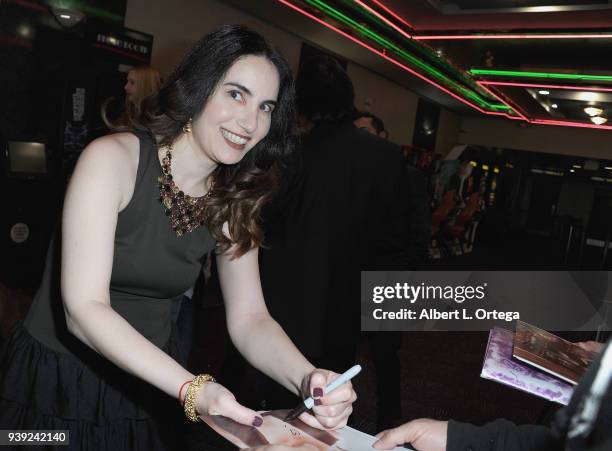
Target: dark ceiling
x: 441, y: 15
x: 432, y: 47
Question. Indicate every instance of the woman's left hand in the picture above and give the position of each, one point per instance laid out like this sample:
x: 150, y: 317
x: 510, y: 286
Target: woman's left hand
x: 331, y: 411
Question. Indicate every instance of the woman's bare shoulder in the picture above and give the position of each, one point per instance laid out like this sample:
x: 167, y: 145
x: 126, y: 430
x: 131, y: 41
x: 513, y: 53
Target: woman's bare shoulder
x: 114, y: 158
x: 118, y: 146
x: 119, y: 152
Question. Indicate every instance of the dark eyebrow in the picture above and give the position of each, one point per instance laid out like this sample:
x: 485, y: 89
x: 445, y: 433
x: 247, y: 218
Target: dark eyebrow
x: 248, y: 91
x: 239, y: 86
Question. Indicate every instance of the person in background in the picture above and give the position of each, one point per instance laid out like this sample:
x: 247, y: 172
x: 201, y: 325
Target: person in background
x: 385, y: 345
x: 371, y: 123
x: 462, y: 182
x: 584, y: 425
x: 142, y: 82
x: 96, y: 353
x: 341, y: 212
x: 416, y: 195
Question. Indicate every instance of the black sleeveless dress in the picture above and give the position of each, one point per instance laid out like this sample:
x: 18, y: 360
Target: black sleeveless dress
x: 51, y: 380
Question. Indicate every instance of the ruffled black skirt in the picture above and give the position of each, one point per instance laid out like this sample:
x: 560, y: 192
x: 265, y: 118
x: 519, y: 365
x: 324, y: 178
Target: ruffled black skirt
x: 101, y: 406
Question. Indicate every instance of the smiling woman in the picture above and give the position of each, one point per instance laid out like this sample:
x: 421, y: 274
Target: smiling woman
x: 236, y: 95
x: 142, y: 209
x: 236, y: 117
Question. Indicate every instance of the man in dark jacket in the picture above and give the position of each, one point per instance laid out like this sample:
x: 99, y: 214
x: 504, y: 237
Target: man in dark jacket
x: 385, y: 346
x: 416, y: 196
x: 342, y: 213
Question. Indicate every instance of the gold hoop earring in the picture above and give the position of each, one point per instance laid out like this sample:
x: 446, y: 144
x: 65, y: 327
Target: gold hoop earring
x: 187, y: 126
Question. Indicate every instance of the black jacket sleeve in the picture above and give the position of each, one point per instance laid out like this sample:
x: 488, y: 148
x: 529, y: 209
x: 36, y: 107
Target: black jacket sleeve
x: 500, y: 435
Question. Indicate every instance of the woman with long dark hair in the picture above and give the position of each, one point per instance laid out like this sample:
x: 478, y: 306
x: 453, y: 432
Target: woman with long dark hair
x: 141, y: 211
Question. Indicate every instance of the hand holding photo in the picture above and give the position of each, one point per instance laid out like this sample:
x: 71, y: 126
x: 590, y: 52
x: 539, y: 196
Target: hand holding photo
x: 551, y: 353
x: 499, y: 366
x: 275, y: 431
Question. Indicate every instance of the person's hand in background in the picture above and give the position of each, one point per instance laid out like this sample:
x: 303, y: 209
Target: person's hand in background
x: 422, y: 434
x: 592, y: 346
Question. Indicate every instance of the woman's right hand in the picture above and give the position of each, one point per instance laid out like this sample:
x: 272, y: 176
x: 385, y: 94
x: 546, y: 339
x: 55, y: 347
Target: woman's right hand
x: 215, y: 399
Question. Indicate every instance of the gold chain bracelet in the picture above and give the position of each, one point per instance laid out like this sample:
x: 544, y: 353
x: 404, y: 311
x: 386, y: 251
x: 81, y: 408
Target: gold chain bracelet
x: 190, y: 395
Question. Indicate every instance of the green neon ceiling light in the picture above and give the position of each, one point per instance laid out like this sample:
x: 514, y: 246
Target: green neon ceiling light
x: 466, y: 78
x: 390, y: 45
x: 512, y: 73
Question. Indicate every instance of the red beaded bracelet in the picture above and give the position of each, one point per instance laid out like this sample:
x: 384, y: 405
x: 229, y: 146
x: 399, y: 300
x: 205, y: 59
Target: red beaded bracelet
x: 181, y: 390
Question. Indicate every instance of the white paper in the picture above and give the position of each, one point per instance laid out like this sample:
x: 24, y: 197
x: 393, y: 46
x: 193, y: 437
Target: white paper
x: 354, y: 440
x: 276, y: 431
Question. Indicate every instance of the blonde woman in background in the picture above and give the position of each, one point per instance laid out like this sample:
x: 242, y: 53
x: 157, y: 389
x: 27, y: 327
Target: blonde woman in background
x: 141, y: 82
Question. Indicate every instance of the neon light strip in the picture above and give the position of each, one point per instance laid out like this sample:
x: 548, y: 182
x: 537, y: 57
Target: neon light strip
x: 571, y: 124
x: 546, y: 121
x: 512, y: 73
x: 348, y: 21
x: 481, y: 83
x: 497, y: 35
x: 383, y: 18
x: 392, y: 13
x: 455, y: 37
x: 385, y: 43
x: 391, y: 60
x: 452, y: 94
x: 500, y: 98
x: 542, y: 85
x: 388, y: 44
x: 395, y: 27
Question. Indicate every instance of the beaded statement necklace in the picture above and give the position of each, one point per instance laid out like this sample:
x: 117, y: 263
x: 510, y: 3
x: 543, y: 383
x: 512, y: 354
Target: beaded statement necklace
x: 186, y: 213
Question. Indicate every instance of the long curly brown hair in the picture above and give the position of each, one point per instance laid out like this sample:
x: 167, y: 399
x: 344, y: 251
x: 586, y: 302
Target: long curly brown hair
x: 239, y: 191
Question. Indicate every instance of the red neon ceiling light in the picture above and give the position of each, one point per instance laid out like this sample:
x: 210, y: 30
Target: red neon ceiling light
x: 522, y: 36
x: 481, y: 83
x: 466, y: 36
x: 543, y: 85
x: 544, y: 121
x: 501, y: 99
x: 455, y: 37
x: 571, y: 124
x: 383, y: 18
x: 393, y: 13
x: 391, y: 60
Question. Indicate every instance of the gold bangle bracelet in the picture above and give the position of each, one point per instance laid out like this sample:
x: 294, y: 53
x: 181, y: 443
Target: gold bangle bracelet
x: 190, y: 395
